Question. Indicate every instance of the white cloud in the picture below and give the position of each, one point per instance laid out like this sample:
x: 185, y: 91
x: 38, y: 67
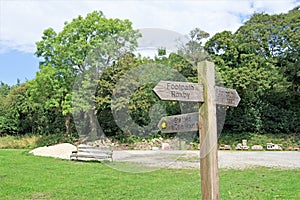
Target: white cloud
x: 22, y: 22
x: 274, y: 7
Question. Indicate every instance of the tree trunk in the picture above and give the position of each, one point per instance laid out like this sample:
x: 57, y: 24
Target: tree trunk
x: 93, y: 125
x: 67, y: 123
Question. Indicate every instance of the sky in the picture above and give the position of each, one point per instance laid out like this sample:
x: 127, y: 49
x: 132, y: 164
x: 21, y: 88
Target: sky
x: 22, y: 22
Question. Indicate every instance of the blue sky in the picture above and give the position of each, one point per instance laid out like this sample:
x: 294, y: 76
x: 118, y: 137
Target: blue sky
x: 22, y: 22
x: 17, y: 65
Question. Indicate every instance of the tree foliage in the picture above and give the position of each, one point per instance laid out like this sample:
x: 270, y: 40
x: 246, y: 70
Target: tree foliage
x: 260, y: 60
x: 84, y: 42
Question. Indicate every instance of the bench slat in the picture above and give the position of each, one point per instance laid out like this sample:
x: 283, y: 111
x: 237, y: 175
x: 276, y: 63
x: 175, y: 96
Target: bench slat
x: 92, y: 152
x: 83, y: 147
x: 90, y: 156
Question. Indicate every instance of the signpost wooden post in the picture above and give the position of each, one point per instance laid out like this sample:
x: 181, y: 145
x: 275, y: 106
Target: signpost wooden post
x: 205, y: 120
x: 208, y: 134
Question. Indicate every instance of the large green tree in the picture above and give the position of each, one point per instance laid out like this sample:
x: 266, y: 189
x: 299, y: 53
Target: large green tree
x: 85, y: 42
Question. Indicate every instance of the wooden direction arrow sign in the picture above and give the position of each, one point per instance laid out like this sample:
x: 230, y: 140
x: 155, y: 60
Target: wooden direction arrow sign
x: 179, y: 123
x: 179, y: 91
x: 227, y: 97
x: 185, y: 91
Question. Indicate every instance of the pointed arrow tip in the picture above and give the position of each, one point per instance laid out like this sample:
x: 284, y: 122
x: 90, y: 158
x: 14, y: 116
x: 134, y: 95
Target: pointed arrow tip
x: 162, y: 124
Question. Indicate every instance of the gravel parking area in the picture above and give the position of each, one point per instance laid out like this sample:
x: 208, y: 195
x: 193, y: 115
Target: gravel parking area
x: 187, y: 159
x: 227, y: 159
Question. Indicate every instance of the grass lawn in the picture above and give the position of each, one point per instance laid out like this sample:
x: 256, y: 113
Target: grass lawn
x: 24, y: 176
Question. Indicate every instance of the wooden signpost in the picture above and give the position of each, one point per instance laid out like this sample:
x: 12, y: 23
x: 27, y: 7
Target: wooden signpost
x: 205, y: 120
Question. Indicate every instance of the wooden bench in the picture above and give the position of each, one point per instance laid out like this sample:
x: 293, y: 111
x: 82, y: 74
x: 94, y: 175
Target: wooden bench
x: 86, y: 152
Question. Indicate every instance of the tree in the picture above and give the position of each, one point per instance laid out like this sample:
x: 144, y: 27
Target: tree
x: 104, y: 92
x: 49, y: 95
x: 193, y: 50
x: 83, y: 43
x: 288, y: 57
x: 16, y: 112
x: 257, y: 60
x: 4, y: 89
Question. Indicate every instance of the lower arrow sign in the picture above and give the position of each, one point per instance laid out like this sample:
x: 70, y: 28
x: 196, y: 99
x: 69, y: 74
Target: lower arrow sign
x: 179, y: 123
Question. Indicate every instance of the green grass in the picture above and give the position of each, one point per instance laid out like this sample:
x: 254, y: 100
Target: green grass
x: 23, y: 176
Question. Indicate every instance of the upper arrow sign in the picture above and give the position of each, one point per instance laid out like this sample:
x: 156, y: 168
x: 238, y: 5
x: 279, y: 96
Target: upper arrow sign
x: 185, y: 91
x: 179, y: 91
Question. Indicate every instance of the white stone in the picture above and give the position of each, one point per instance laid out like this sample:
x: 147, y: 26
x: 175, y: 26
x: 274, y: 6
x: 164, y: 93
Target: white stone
x: 257, y: 147
x: 165, y: 146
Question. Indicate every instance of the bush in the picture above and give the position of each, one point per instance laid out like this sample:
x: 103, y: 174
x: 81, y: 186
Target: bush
x: 260, y: 139
x: 52, y: 139
x: 18, y: 142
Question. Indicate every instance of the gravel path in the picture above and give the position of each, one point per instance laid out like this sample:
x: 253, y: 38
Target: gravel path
x: 187, y: 159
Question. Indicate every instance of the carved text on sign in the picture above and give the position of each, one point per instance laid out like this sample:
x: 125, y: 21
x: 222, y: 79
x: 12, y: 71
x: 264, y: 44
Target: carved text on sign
x: 179, y: 91
x: 179, y: 123
x: 185, y: 91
